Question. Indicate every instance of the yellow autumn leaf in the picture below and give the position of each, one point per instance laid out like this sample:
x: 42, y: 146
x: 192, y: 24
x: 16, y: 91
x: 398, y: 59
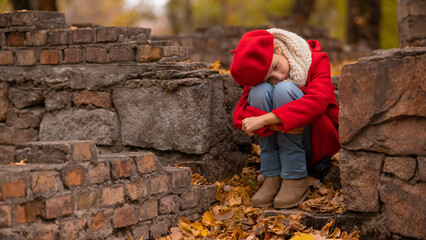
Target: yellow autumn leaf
x: 302, y: 236
x: 20, y: 163
x: 208, y: 219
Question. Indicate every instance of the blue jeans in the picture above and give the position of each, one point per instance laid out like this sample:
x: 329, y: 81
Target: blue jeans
x: 281, y: 154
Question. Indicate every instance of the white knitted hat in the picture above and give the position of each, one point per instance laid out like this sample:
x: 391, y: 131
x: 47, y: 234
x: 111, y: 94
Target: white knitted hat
x: 297, y: 52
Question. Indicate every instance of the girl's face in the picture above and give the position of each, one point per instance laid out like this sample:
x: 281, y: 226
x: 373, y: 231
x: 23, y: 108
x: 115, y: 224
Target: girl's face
x: 279, y: 69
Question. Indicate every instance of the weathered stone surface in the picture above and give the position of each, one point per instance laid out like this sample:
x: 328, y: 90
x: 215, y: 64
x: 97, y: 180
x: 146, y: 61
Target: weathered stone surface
x: 57, y: 100
x: 26, y: 118
x: 6, y: 155
x: 421, y: 163
x: 402, y: 167
x: 360, y: 172
x: 373, y: 94
x: 189, y: 119
x: 25, y: 98
x: 404, y: 206
x: 4, y: 102
x: 98, y: 99
x: 98, y: 125
x: 56, y: 151
x: 169, y: 204
x: 12, y: 135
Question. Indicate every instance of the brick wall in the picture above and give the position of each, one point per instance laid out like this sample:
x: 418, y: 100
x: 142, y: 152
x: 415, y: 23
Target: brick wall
x: 68, y: 191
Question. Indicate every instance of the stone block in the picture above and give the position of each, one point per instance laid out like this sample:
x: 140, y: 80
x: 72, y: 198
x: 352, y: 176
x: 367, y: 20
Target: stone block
x: 49, y: 57
x: 141, y: 232
x: 159, y: 184
x: 12, y: 135
x: 407, y: 8
x: 46, y: 181
x: 25, y: 118
x: 98, y: 125
x: 137, y: 189
x: 180, y: 177
x: 402, y: 167
x: 22, y: 18
x: 169, y: 204
x: 404, y: 207
x: 121, y: 54
x: 96, y: 55
x: 198, y: 101
x: 360, y: 172
x: 58, y: 207
x: 6, y: 57
x: 28, y: 212
x: 98, y: 221
x: 73, y: 55
x: 124, y: 216
x: 190, y: 199
x: 59, y: 37
x: 25, y: 58
x: 5, y: 216
x: 146, y: 162
x: 107, y: 34
x: 99, y: 172
x: 160, y: 229
x: 43, y: 231
x: 4, y: 19
x: 421, y: 166
x: 122, y: 168
x: 13, y: 189
x: 15, y: 39
x: 87, y: 200
x: 56, y: 151
x: 148, y: 210
x: 73, y: 176
x: 380, y: 127
x: 95, y: 98
x: 57, y: 100
x: 4, y: 101
x: 73, y: 229
x: 22, y: 98
x: 83, y: 35
x: 147, y: 53
x: 112, y: 195
x: 7, y: 153
x: 36, y: 38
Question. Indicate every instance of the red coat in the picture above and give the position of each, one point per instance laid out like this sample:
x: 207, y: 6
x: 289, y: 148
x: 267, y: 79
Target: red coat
x: 317, y: 107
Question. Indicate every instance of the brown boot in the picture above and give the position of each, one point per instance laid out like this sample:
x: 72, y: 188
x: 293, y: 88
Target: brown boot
x: 292, y: 192
x: 264, y: 197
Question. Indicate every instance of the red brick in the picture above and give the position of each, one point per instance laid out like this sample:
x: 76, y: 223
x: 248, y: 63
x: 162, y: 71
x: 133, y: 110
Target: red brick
x: 58, y: 206
x: 96, y: 55
x: 122, y: 168
x: 112, y: 195
x: 169, y: 204
x: 5, y: 216
x: 141, y: 232
x: 82, y: 35
x: 181, y: 177
x: 84, y: 151
x: 98, y: 221
x: 190, y: 199
x: 59, y: 37
x: 21, y: 217
x: 73, y: 177
x: 28, y: 212
x: 88, y: 199
x: 45, y: 232
x: 13, y: 189
x: 6, y: 57
x: 98, y: 99
x: 121, y: 54
x: 124, y: 216
x: 49, y: 57
x: 99, y: 173
x: 148, y: 210
x: 107, y: 34
x: 25, y: 57
x: 38, y: 38
x: 45, y: 182
x: 15, y: 39
x: 4, y: 101
x: 137, y: 190
x: 73, y: 228
x: 160, y: 229
x: 147, y: 53
x: 3, y: 19
x: 22, y: 18
x: 159, y: 184
x: 146, y: 163
x: 73, y: 55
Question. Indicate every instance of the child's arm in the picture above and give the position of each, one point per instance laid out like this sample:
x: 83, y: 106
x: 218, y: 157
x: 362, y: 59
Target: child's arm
x: 250, y: 125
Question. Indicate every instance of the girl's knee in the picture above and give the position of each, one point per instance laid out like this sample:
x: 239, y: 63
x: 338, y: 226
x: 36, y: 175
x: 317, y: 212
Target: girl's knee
x: 260, y: 95
x: 285, y: 92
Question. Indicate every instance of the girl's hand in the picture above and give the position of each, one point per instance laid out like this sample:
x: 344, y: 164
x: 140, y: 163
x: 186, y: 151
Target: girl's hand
x: 250, y: 125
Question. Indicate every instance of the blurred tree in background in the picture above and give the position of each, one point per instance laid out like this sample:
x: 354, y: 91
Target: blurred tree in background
x: 369, y: 22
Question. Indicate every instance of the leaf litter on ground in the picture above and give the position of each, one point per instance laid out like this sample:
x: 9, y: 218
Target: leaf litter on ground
x: 232, y: 216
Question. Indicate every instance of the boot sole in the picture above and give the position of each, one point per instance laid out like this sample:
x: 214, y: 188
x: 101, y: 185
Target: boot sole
x: 294, y: 204
x: 262, y: 205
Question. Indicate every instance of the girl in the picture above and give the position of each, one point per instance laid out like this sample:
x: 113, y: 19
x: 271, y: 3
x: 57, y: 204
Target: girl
x: 288, y: 101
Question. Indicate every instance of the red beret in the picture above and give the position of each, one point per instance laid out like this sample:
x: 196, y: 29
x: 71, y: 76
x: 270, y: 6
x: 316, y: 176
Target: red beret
x: 252, y: 58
